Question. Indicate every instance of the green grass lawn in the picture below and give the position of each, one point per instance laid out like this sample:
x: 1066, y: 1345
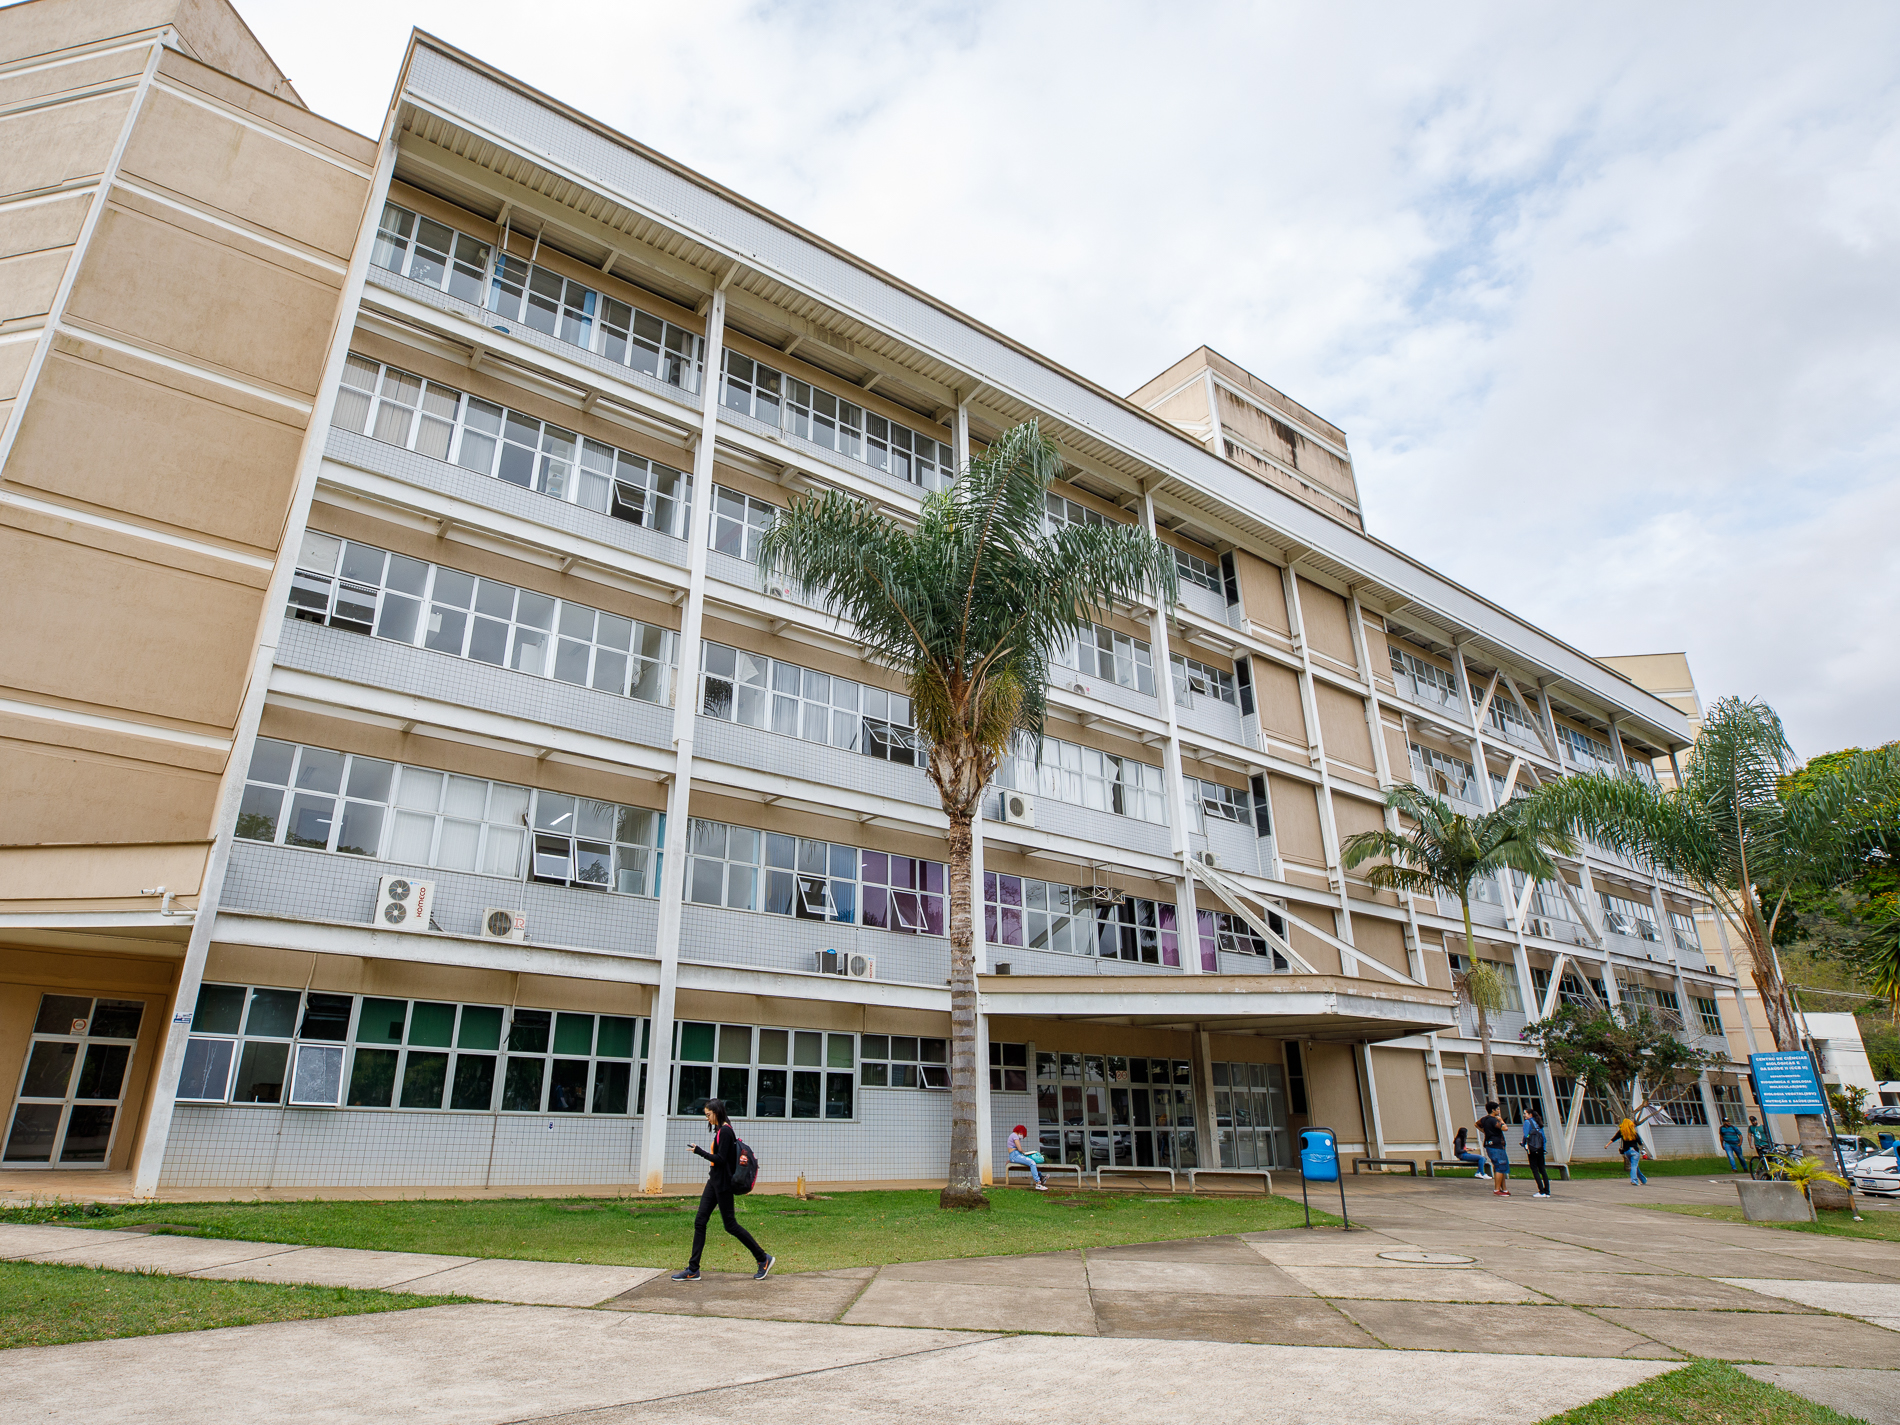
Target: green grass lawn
x: 45, y: 1305
x: 1874, y: 1224
x: 854, y: 1229
x: 1703, y: 1393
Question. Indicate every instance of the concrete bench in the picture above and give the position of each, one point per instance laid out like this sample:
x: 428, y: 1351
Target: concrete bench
x: 1195, y: 1174
x: 1409, y: 1164
x: 1137, y: 1172
x: 1562, y: 1170
x: 1047, y: 1168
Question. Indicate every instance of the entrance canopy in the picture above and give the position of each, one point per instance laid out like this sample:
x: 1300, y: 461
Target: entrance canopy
x: 1326, y: 1008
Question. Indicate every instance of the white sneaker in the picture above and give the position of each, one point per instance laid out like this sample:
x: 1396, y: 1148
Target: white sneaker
x: 1041, y: 1188
x: 1540, y: 1194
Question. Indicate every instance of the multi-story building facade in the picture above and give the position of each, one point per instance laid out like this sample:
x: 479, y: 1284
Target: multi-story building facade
x: 477, y: 810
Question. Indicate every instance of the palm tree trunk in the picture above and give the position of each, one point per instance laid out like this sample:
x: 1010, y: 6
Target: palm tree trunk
x: 965, y: 1185
x: 1785, y: 1026
x: 1484, y: 1021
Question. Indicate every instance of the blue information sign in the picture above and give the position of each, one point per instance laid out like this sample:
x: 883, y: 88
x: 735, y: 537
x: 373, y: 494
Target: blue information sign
x: 1784, y: 1083
x: 1319, y: 1155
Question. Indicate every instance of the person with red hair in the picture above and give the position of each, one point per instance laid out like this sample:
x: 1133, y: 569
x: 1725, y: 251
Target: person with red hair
x: 1019, y: 1153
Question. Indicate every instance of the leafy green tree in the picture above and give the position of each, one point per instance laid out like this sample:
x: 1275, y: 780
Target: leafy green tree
x: 1632, y: 1055
x: 1446, y: 851
x: 1850, y: 1107
x: 1743, y: 832
x: 969, y: 608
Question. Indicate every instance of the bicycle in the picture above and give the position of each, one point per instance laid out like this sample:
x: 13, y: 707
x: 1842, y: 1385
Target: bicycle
x: 1773, y: 1163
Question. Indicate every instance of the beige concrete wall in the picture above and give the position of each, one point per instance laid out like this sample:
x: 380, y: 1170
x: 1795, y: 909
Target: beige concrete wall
x: 1332, y: 1091
x: 1405, y: 1100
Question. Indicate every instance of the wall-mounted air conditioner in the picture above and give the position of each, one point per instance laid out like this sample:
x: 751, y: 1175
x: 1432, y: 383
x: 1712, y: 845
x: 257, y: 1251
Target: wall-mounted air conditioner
x: 1019, y: 808
x: 1208, y: 858
x: 1083, y: 688
x: 499, y: 924
x: 852, y: 964
x: 403, y: 904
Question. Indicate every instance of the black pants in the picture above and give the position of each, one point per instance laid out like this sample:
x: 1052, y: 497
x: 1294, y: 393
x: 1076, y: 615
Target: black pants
x: 721, y: 1194
x: 1537, y: 1170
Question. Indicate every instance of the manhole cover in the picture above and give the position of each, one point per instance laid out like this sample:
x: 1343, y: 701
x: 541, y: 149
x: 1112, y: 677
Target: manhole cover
x: 1428, y: 1259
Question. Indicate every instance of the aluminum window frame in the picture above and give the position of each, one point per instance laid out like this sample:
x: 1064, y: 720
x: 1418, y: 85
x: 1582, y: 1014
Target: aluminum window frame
x: 832, y: 1068
x: 1077, y: 1108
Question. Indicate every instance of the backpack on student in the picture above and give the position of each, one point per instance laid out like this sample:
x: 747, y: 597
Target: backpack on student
x: 746, y: 1173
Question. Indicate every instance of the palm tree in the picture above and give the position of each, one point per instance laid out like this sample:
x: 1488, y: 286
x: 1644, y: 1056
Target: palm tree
x: 970, y: 607
x: 1737, y: 827
x: 1448, y: 851
x: 1482, y: 987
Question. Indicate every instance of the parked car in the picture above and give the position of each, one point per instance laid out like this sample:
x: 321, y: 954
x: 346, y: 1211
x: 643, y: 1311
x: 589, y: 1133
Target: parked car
x: 1878, y: 1174
x: 1885, y: 1113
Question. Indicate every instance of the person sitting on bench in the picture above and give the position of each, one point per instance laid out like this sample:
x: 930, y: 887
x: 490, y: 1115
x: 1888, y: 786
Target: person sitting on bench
x: 1462, y: 1152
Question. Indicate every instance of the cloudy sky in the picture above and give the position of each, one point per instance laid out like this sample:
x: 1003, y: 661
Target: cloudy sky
x: 1608, y: 301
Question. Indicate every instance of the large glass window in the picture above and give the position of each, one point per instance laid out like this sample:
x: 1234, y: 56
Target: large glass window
x: 433, y: 253
x: 1192, y: 677
x: 1422, y: 681
x: 905, y: 1061
x: 1075, y: 920
x: 1082, y: 776
x: 1099, y: 1110
x: 1586, y: 752
x: 1216, y: 799
x: 362, y: 806
x: 1634, y: 918
x: 1222, y: 930
x: 1100, y: 652
x: 754, y: 389
x: 1444, y: 774
x: 742, y: 869
x: 403, y: 409
x: 1194, y: 570
x: 739, y: 522
x: 362, y: 1051
x: 771, y: 694
x: 765, y: 1073
x: 364, y: 589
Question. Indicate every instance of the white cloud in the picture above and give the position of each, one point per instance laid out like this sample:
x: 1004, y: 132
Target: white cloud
x: 1607, y: 302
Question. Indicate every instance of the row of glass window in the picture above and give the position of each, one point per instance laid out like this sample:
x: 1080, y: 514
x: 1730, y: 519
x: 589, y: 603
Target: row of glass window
x: 309, y: 1048
x: 1191, y: 676
x: 1444, y: 774
x: 1216, y: 799
x: 254, y: 1044
x: 775, y: 696
x: 1058, y: 511
x: 743, y: 869
x: 1422, y: 681
x: 1100, y: 652
x: 345, y: 584
x: 754, y: 389
x: 1084, y: 777
x: 1622, y: 916
x: 1042, y: 915
x: 364, y: 806
x: 435, y: 254
x: 403, y: 409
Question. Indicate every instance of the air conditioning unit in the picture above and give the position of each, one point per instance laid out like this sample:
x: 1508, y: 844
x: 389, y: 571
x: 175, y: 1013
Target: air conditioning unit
x: 1083, y: 688
x: 499, y: 924
x: 1019, y: 808
x: 850, y: 963
x: 1208, y: 858
x: 403, y: 904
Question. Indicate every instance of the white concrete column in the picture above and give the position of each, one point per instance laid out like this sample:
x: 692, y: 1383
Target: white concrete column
x: 1216, y: 436
x: 171, y: 1052
x: 960, y: 433
x: 1187, y: 928
x: 680, y: 790
x: 1369, y: 1109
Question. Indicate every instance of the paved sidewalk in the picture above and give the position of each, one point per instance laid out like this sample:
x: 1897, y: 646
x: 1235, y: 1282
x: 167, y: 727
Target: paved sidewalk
x: 1567, y: 1299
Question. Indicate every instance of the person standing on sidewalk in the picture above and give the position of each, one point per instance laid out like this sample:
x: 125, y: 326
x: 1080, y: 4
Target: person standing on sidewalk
x: 1535, y: 1146
x: 1492, y: 1127
x: 724, y: 1158
x: 1019, y: 1153
x: 1732, y: 1145
x: 1629, y: 1143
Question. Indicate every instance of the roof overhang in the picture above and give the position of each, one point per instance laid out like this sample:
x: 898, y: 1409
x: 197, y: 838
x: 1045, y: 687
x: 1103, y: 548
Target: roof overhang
x: 1321, y: 1008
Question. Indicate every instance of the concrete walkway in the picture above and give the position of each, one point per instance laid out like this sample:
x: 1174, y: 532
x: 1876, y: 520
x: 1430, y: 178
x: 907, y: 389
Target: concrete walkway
x: 1566, y: 1300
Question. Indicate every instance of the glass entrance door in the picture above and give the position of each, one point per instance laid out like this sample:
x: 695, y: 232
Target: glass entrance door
x: 1250, y: 1115
x: 73, y: 1084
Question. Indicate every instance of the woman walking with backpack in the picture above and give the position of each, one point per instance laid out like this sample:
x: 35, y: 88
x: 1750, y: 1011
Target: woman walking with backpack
x: 1629, y: 1143
x: 724, y: 1158
x: 1536, y: 1144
